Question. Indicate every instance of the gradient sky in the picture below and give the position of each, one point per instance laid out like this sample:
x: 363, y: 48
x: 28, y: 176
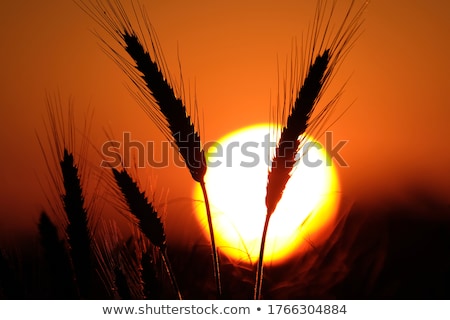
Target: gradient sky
x: 398, y: 80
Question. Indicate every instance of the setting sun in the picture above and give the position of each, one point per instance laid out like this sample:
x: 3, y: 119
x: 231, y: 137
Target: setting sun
x: 236, y: 181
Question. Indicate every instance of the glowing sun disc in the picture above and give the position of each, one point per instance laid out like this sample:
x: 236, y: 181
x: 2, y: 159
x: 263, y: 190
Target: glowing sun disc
x: 236, y: 182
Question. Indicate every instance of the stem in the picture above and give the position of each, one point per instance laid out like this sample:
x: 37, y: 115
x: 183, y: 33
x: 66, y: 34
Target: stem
x: 169, y: 270
x: 259, y: 269
x: 213, y: 241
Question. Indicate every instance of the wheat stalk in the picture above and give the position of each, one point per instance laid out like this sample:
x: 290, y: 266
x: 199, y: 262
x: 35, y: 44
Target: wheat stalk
x: 325, y: 55
x: 149, y: 74
x: 288, y: 145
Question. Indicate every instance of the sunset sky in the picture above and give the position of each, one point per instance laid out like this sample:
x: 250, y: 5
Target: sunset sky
x: 397, y: 73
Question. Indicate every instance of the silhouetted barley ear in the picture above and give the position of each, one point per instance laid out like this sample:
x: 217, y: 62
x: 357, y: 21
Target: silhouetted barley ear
x: 57, y: 260
x: 151, y: 77
x: 150, y: 283
x: 148, y: 220
x: 181, y: 127
x: 78, y: 233
x: 325, y: 55
x: 138, y: 204
x: 156, y: 94
x: 297, y: 122
x: 288, y: 146
x: 179, y: 123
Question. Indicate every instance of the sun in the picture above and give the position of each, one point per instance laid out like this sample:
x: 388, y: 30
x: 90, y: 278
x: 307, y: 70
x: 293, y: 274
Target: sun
x: 236, y: 182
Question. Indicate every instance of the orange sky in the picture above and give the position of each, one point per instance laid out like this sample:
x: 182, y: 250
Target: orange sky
x: 397, y: 126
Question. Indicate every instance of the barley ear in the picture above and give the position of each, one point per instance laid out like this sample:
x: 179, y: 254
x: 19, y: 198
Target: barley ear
x: 156, y: 94
x: 325, y: 55
x: 172, y: 108
x: 297, y: 122
x: 149, y: 222
x: 141, y: 208
x: 78, y: 233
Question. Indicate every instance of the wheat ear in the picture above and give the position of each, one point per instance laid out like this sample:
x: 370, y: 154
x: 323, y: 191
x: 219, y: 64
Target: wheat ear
x: 297, y: 122
x: 185, y: 136
x: 157, y: 97
x: 78, y: 233
x: 325, y: 55
x: 148, y: 220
